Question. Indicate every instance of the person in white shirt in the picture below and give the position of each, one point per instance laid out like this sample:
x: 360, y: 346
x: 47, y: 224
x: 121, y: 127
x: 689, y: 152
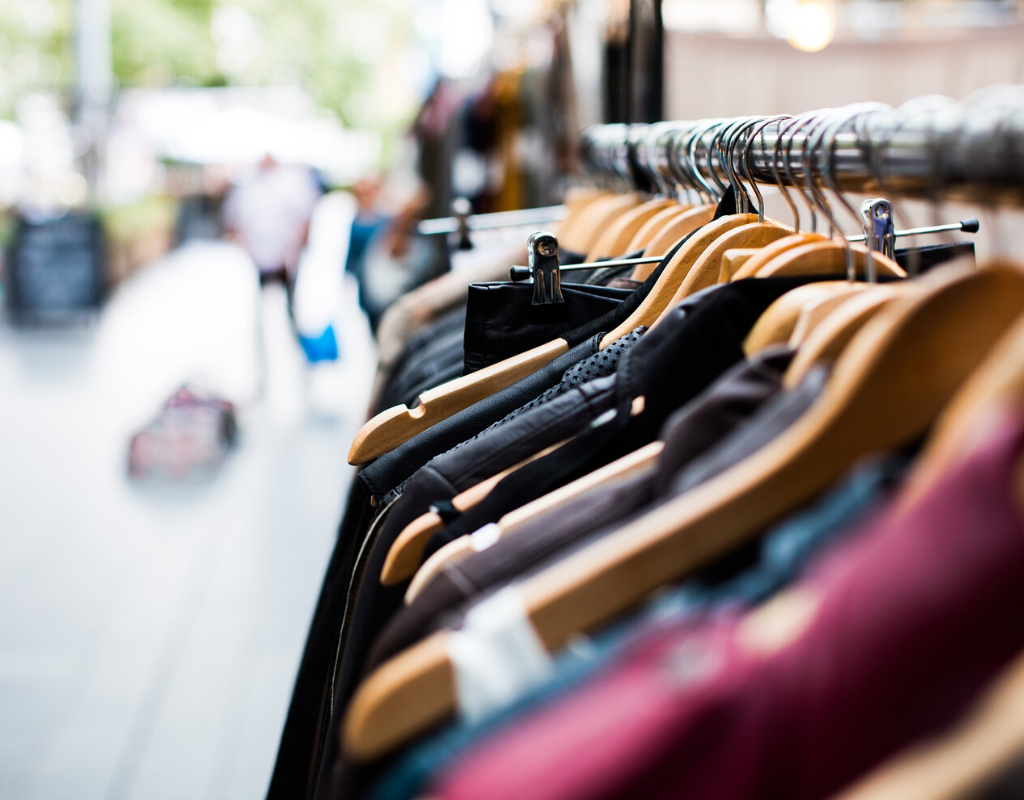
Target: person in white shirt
x: 269, y: 216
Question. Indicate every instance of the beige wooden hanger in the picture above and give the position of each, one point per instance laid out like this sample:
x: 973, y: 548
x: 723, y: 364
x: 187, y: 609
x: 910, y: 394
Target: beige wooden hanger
x: 886, y: 388
x: 577, y: 198
x: 827, y: 258
x: 398, y: 424
x: 656, y: 223
x: 677, y: 228
x: 595, y: 218
x: 639, y: 461
x: 837, y: 330
x: 777, y: 323
x: 660, y: 297
x: 708, y: 270
x: 733, y: 259
x: 769, y: 252
x: 614, y: 240
x: 814, y: 313
x: 998, y: 383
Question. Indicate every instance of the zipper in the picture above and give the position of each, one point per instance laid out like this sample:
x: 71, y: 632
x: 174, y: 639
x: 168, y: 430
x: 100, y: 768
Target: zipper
x: 364, y: 549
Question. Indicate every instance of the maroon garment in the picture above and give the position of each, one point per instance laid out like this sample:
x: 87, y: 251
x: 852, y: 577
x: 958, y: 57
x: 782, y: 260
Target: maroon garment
x: 915, y: 615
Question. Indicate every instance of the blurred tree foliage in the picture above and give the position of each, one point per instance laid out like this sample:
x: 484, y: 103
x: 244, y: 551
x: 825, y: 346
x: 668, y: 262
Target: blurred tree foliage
x: 329, y: 47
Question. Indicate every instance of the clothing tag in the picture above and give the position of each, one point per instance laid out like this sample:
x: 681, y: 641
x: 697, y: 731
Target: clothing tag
x: 497, y: 655
x: 485, y: 537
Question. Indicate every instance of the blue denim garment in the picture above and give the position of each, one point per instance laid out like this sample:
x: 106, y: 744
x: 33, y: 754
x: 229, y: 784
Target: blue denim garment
x: 782, y: 553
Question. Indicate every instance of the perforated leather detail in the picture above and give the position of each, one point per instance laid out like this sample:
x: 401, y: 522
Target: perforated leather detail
x: 599, y: 365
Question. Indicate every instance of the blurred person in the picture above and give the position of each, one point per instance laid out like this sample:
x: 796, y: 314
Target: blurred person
x: 368, y: 221
x: 385, y: 255
x: 269, y: 216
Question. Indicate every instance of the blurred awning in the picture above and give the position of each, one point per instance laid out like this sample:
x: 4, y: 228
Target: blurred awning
x: 236, y: 127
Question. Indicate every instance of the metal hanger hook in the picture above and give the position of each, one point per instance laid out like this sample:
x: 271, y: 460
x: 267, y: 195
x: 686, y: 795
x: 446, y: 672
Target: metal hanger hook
x: 691, y: 151
x: 745, y: 164
x: 727, y: 152
x: 794, y: 127
x: 738, y: 154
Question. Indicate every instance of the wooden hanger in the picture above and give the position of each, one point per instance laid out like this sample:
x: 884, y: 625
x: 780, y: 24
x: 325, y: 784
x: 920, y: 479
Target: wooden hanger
x: 708, y: 269
x: 577, y: 198
x: 642, y: 460
x: 777, y: 323
x: 595, y: 218
x: 398, y: 424
x: 770, y: 251
x: 406, y: 552
x: 826, y: 258
x: 837, y: 330
x: 887, y: 387
x: 661, y: 294
x: 614, y: 240
x: 678, y: 228
x: 814, y: 313
x: 653, y: 225
x: 998, y: 383
x: 708, y: 265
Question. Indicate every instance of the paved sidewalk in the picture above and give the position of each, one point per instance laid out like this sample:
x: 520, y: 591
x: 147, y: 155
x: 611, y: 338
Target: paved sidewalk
x: 149, y: 637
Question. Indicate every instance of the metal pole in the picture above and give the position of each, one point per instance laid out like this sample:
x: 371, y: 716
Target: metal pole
x: 94, y: 83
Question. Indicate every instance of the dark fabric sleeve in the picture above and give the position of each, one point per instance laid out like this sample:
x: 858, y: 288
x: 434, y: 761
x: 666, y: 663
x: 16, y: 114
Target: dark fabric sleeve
x: 397, y: 466
x: 700, y: 424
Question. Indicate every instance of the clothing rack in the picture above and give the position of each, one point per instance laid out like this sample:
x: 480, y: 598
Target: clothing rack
x: 972, y: 150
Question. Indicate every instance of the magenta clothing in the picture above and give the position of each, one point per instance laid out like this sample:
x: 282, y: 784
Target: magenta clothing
x: 915, y: 615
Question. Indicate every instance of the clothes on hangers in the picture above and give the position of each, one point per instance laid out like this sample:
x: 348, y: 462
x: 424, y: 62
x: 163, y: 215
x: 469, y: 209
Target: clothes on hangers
x: 783, y: 553
x: 883, y: 642
x: 691, y: 431
x: 788, y: 666
x: 728, y: 311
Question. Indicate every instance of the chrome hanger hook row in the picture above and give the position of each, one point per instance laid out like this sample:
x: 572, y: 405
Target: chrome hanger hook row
x: 679, y: 162
x: 844, y: 117
x: 711, y: 152
x: 727, y: 151
x: 737, y: 164
x: 815, y: 120
x: 746, y: 166
x: 691, y: 153
x: 524, y: 273
x: 794, y: 127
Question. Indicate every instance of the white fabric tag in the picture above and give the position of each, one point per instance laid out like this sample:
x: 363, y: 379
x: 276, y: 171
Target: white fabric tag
x: 497, y: 655
x: 484, y: 537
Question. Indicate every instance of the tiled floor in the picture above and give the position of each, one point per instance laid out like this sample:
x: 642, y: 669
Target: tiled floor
x: 149, y: 637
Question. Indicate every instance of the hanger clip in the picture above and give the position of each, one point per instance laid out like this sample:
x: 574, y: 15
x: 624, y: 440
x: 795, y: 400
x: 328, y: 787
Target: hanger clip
x: 542, y: 249
x: 879, y: 227
x: 460, y: 211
